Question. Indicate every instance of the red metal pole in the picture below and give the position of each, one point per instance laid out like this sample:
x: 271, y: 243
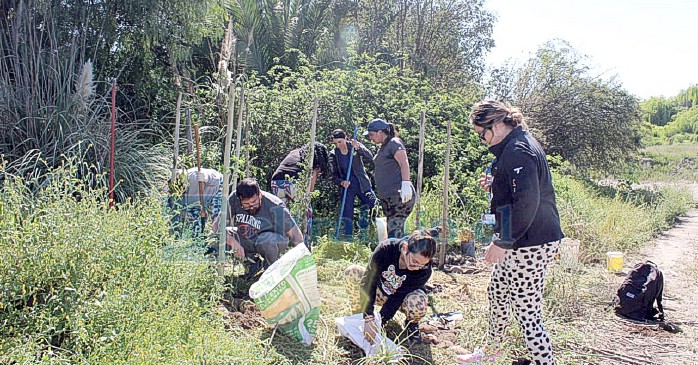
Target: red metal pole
x: 112, y: 148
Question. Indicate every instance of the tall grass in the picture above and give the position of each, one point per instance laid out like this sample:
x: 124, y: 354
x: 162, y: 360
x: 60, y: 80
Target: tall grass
x: 50, y: 106
x: 612, y: 219
x: 82, y: 283
x: 668, y: 163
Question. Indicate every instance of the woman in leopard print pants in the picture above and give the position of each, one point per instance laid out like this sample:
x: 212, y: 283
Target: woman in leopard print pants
x: 414, y: 306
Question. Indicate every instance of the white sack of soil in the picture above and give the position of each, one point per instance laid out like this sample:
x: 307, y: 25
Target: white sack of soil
x: 287, y: 294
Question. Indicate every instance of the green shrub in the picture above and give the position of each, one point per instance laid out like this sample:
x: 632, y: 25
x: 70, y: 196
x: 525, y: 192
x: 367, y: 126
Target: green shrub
x: 85, y: 283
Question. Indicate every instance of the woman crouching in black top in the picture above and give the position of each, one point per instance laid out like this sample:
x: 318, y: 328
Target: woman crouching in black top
x: 394, y: 279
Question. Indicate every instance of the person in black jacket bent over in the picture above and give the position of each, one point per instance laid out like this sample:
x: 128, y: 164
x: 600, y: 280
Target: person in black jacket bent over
x: 394, y: 278
x: 527, y: 226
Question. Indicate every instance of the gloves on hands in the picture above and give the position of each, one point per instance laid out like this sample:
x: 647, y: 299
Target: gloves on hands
x: 406, y: 191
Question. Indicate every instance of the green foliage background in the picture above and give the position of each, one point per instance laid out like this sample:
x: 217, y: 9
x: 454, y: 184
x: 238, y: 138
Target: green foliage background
x: 84, y: 283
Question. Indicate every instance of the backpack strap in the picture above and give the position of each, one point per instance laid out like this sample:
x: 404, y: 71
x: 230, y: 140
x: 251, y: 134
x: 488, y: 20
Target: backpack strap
x: 660, y: 308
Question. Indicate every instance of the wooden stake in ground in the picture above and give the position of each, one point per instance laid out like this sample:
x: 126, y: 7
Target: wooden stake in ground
x: 420, y: 171
x: 239, y: 136
x: 187, y: 130
x: 246, y: 132
x: 202, y: 213
x: 223, y: 216
x: 311, y: 159
x: 313, y: 125
x: 444, y: 232
x: 112, y: 145
x: 175, y: 152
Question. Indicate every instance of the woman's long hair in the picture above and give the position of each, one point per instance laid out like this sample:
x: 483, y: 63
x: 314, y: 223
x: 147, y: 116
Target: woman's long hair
x: 487, y: 113
x: 321, y: 159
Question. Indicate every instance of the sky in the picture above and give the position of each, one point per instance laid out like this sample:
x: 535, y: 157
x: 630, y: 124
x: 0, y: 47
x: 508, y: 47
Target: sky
x: 651, y: 45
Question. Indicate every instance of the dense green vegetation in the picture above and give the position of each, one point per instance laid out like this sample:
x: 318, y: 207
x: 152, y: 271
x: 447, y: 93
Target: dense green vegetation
x: 82, y: 283
x: 673, y: 120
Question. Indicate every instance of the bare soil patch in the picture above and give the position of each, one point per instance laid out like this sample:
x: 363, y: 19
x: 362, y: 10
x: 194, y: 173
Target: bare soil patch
x: 616, y: 341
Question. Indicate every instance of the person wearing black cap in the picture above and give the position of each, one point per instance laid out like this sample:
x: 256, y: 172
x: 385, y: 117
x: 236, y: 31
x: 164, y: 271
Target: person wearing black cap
x: 392, y: 175
x: 358, y: 184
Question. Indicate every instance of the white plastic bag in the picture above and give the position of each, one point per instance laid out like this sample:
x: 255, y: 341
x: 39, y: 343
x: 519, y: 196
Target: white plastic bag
x: 382, y: 229
x: 352, y: 327
x: 287, y: 294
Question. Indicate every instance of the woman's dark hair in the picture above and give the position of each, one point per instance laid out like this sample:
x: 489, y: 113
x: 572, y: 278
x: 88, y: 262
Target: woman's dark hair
x: 321, y: 159
x: 421, y: 242
x: 392, y: 131
x: 490, y: 112
x: 338, y: 133
x: 247, y: 188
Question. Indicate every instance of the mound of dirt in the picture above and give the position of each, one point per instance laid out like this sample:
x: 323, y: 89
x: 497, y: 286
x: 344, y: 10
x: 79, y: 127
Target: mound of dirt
x: 241, y: 313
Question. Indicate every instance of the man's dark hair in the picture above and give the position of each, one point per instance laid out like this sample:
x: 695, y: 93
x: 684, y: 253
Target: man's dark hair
x: 247, y: 188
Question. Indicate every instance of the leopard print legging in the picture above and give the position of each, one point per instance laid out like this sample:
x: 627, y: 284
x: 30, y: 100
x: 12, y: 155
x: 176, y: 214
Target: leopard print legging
x: 518, y: 283
x: 414, y: 306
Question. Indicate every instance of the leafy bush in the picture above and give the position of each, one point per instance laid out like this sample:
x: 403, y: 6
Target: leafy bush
x: 281, y: 113
x: 85, y: 283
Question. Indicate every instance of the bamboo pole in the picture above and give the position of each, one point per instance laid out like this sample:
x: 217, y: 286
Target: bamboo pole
x: 202, y: 205
x: 112, y: 145
x: 312, y: 141
x: 223, y: 217
x: 420, y: 171
x: 187, y: 130
x: 238, y: 142
x: 311, y: 159
x: 444, y: 231
x: 175, y: 154
x: 246, y: 131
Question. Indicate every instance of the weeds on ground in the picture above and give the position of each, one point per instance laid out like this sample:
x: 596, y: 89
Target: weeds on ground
x: 83, y: 283
x: 667, y: 163
x: 615, y: 219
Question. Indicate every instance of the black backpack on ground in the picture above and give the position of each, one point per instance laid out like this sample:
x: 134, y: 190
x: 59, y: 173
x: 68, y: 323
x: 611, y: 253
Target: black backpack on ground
x: 641, y: 288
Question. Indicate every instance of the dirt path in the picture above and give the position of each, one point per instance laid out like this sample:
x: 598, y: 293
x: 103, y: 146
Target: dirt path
x: 618, y: 342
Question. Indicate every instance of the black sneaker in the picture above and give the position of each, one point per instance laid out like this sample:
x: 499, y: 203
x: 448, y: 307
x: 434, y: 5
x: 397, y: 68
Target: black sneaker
x: 414, y: 337
x: 254, y: 265
x: 521, y: 361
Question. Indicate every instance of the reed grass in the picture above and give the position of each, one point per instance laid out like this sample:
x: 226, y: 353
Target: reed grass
x: 52, y: 109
